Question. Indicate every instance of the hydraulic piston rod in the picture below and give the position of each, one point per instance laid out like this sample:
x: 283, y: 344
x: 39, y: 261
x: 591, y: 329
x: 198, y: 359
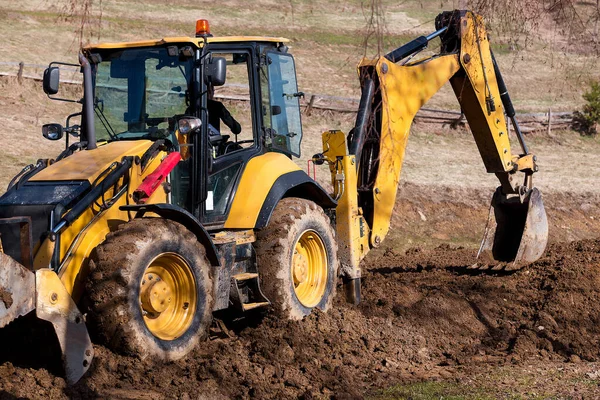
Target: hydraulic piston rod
x: 414, y: 46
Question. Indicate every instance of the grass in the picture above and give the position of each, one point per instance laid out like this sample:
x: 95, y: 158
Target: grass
x: 508, y: 382
x: 327, y: 43
x: 432, y: 391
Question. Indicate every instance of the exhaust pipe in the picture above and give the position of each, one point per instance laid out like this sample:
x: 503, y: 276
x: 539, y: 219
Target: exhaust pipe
x: 88, y: 102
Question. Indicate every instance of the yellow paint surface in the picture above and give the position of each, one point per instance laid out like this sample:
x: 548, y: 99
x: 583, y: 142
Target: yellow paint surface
x: 404, y: 89
x: 257, y: 179
x: 197, y: 42
x: 88, y: 164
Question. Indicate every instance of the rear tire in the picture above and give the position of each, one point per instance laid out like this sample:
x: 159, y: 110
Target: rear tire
x: 149, y: 290
x: 297, y: 259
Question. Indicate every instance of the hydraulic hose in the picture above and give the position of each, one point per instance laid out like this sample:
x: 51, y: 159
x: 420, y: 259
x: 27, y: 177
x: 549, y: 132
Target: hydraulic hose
x: 362, y: 119
x: 508, y: 106
x: 413, y: 46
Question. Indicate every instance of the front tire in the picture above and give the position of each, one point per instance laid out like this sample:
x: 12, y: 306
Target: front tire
x: 297, y: 259
x: 149, y: 290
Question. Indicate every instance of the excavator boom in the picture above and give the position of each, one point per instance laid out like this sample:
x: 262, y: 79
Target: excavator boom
x: 394, y: 88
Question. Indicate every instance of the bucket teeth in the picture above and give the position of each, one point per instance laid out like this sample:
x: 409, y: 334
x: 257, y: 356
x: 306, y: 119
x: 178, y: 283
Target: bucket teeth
x: 498, y: 267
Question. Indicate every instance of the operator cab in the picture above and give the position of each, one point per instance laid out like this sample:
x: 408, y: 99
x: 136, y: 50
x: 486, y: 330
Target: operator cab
x: 242, y: 90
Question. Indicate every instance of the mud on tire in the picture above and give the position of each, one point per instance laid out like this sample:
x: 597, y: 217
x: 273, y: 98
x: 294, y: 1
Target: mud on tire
x: 276, y: 246
x: 117, y: 270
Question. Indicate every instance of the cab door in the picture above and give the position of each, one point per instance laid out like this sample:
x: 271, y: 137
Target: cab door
x: 233, y: 104
x: 281, y: 100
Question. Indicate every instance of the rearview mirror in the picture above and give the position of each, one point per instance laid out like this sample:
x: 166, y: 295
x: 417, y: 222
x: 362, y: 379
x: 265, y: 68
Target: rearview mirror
x: 216, y: 71
x: 52, y: 131
x: 51, y: 80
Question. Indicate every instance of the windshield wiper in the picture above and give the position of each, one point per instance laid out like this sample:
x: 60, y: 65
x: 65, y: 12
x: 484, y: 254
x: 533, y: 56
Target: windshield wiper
x: 107, y: 126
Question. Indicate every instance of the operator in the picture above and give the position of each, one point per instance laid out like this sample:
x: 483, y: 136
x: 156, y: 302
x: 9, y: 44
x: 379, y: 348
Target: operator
x: 217, y: 113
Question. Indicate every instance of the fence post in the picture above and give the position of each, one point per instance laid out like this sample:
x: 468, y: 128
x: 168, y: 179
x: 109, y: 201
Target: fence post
x: 549, y: 122
x: 20, y: 73
x: 310, y: 104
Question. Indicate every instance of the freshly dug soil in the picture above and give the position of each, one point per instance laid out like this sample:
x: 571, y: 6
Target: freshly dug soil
x: 6, y: 298
x: 423, y: 316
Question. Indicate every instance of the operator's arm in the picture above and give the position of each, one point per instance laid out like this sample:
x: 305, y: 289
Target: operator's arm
x: 228, y: 119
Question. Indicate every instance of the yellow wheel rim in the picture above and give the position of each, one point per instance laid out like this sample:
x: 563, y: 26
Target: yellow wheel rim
x: 168, y: 296
x: 309, y: 268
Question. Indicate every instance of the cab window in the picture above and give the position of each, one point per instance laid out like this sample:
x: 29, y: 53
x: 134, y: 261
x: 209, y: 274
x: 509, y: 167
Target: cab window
x: 284, y: 125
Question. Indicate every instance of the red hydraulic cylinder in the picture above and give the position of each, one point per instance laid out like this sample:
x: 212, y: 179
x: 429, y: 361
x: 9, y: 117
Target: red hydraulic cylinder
x: 154, y: 180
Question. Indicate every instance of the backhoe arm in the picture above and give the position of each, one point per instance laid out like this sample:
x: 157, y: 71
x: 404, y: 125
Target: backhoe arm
x: 394, y: 89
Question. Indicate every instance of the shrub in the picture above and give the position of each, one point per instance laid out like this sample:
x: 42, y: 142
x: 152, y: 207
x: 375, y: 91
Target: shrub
x: 588, y: 120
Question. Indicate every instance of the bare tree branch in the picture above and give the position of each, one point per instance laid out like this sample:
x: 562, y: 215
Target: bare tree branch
x: 87, y: 14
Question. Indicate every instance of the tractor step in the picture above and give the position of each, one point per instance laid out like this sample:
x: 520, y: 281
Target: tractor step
x: 246, y: 293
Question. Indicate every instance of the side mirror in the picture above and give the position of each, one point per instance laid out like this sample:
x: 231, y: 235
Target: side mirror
x: 275, y: 110
x: 187, y: 125
x: 216, y: 71
x: 52, y: 131
x: 51, y: 80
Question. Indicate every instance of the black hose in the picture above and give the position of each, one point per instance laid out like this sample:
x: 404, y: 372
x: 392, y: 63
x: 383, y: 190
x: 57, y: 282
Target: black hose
x: 507, y: 103
x: 362, y: 118
x: 413, y: 46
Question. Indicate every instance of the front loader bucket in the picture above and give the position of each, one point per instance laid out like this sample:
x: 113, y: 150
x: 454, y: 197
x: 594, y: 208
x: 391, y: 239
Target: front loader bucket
x: 517, y: 230
x: 17, y: 290
x: 22, y: 291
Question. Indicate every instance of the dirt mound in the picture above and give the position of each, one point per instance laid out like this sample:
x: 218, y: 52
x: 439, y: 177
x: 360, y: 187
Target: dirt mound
x: 423, y: 316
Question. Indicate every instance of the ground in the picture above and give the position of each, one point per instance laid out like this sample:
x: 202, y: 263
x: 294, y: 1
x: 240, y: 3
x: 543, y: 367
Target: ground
x: 427, y: 327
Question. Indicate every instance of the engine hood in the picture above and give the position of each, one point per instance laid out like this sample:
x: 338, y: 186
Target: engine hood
x: 88, y: 164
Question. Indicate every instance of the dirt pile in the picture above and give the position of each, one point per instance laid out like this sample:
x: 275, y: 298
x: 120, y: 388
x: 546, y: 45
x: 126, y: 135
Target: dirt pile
x: 423, y: 316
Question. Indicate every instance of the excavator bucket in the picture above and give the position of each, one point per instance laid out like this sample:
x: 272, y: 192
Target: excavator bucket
x: 516, y: 233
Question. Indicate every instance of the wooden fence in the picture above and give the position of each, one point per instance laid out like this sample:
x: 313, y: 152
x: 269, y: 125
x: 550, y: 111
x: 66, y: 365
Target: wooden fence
x: 529, y: 122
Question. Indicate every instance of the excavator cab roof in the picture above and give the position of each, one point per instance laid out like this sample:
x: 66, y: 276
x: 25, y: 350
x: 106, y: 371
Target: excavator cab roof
x: 203, y: 35
x: 198, y: 42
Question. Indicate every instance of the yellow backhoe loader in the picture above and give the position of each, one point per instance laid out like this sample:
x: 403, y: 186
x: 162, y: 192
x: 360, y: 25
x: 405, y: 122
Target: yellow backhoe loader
x: 157, y: 216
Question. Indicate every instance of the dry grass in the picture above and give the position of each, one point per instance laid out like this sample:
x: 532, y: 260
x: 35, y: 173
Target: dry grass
x: 327, y: 40
x: 436, y: 155
x: 23, y: 110
x: 440, y: 156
